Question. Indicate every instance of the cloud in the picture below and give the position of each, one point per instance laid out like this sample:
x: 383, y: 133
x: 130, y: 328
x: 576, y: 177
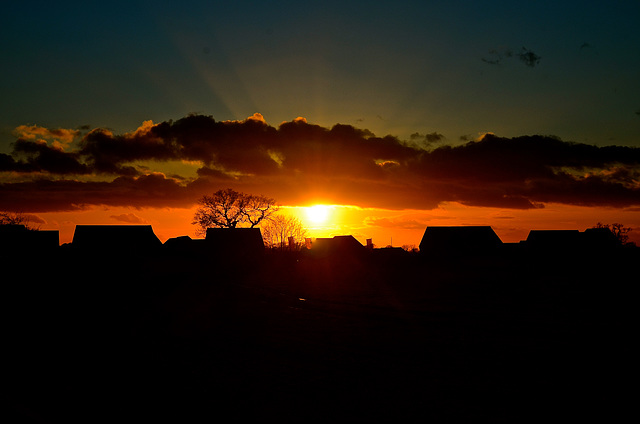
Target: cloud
x: 524, y: 172
x: 44, y: 195
x: 60, y: 138
x: 427, y: 140
x: 299, y: 162
x: 107, y: 153
x: 525, y: 55
x: 394, y: 222
x: 129, y: 218
x: 528, y: 57
x: 495, y: 57
x: 36, y: 156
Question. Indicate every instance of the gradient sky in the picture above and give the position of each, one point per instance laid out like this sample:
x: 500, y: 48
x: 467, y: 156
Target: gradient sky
x: 428, y: 74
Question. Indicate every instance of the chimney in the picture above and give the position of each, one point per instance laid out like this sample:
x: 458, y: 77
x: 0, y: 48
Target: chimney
x: 370, y: 244
x: 292, y: 243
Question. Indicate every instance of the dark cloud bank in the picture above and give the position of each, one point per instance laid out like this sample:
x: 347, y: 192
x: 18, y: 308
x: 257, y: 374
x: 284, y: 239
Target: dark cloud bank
x: 298, y: 162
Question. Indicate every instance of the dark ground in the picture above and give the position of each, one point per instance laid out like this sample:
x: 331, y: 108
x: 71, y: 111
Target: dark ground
x: 296, y: 338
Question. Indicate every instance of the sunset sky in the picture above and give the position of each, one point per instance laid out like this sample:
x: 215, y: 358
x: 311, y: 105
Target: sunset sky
x: 519, y: 115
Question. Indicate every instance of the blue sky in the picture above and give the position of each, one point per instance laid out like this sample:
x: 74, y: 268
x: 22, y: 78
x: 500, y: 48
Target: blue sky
x: 458, y: 68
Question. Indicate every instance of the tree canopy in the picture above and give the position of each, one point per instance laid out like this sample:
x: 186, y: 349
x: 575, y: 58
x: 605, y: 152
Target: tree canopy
x: 13, y: 218
x: 230, y: 209
x: 619, y: 231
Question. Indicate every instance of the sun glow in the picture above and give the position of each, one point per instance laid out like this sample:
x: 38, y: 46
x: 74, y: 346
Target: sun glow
x: 318, y: 214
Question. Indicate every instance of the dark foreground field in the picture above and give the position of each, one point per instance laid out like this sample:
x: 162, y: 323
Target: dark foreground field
x: 297, y: 338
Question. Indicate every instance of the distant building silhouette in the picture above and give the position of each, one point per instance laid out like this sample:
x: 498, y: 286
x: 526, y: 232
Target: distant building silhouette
x: 389, y: 252
x: 451, y: 241
x: 337, y: 245
x: 571, y: 240
x: 140, y: 238
x: 459, y: 240
x: 545, y: 239
x: 15, y: 238
x: 184, y: 244
x: 178, y: 242
x: 234, y: 241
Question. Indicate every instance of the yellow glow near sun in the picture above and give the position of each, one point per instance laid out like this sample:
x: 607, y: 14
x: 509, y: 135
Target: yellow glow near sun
x: 318, y: 214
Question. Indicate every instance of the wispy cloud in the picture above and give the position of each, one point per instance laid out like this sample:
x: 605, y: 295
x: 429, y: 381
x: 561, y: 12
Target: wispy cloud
x: 395, y: 222
x: 524, y: 55
x: 129, y: 218
x: 528, y: 57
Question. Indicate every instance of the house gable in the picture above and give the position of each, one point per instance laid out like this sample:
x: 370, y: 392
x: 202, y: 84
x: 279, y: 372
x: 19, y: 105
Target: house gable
x: 469, y: 239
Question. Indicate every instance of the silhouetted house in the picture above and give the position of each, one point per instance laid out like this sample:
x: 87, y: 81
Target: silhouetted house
x: 183, y: 245
x: 115, y: 238
x: 178, y: 242
x: 571, y: 241
x: 553, y: 239
x: 338, y: 245
x: 388, y: 252
x: 17, y: 238
x: 234, y: 242
x: 467, y: 240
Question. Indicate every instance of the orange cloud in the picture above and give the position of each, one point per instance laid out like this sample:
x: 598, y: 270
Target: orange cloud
x: 129, y: 218
x: 59, y: 138
x: 302, y: 163
x: 395, y: 222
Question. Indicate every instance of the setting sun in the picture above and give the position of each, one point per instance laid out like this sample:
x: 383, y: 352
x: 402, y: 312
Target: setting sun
x: 318, y: 214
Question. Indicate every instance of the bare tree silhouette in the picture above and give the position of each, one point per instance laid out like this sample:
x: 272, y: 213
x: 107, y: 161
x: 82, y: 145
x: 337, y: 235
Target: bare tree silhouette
x: 16, y: 218
x: 277, y: 230
x: 230, y: 209
x: 619, y: 230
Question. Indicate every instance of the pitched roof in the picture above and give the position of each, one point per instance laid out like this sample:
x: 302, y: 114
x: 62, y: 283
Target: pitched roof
x: 337, y: 244
x: 560, y: 239
x: 127, y: 237
x: 553, y: 238
x: 459, y: 238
